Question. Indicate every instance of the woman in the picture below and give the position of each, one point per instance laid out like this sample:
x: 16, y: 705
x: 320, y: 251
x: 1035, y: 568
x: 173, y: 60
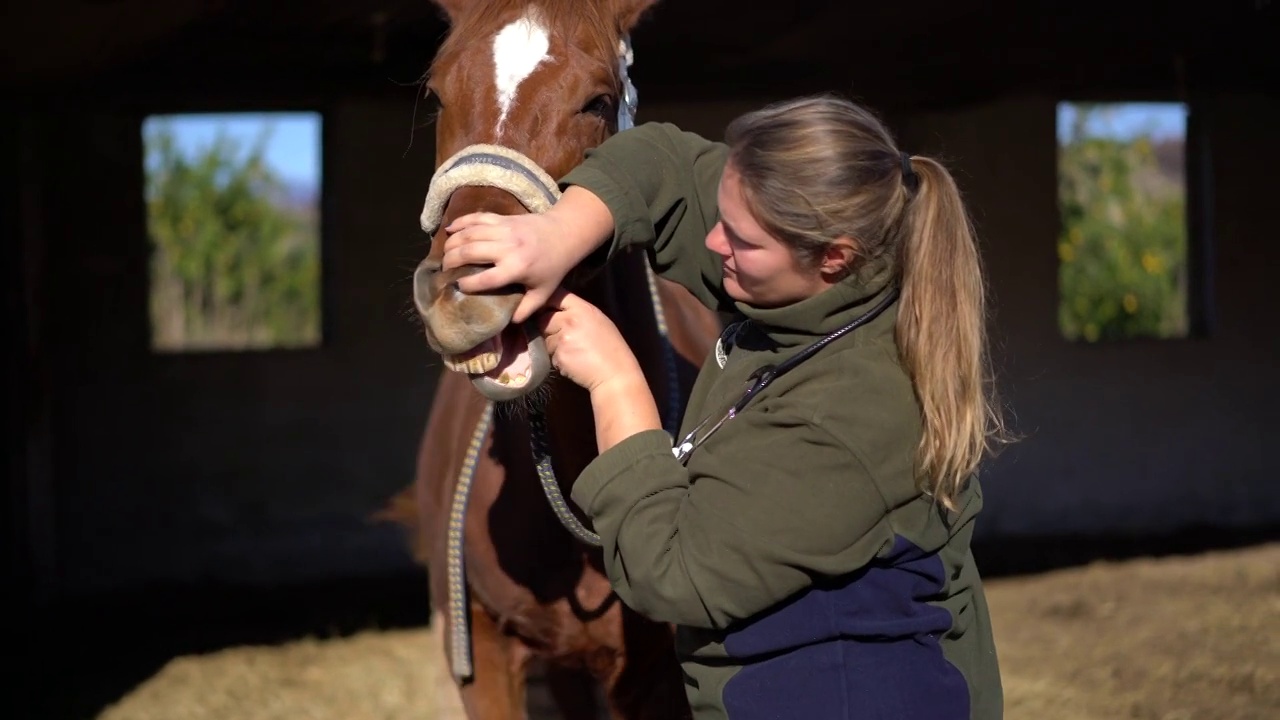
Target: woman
x: 809, y: 532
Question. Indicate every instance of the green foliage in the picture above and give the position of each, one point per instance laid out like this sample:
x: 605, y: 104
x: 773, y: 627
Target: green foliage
x: 232, y: 267
x: 1123, y: 244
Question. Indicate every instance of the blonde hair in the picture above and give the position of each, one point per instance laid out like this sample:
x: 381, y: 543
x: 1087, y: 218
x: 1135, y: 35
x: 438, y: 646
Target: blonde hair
x: 819, y: 168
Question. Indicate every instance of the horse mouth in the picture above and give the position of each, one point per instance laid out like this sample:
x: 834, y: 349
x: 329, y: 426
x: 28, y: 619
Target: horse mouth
x: 507, y: 366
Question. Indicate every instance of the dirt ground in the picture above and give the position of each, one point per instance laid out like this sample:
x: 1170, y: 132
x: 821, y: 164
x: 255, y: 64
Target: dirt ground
x: 1176, y: 638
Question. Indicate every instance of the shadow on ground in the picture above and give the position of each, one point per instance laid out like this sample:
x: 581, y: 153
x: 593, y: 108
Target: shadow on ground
x: 78, y: 655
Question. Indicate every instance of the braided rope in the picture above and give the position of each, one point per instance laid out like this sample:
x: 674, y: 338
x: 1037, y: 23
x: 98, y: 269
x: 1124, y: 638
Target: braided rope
x: 550, y: 485
x: 455, y: 566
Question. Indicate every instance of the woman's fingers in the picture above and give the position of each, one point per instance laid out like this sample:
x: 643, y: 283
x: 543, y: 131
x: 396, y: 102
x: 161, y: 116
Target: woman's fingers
x: 482, y: 235
x: 531, y: 303
x: 542, y: 304
x: 555, y: 300
x: 558, y: 297
x: 512, y: 251
x: 488, y: 279
x: 471, y: 219
x: 472, y: 254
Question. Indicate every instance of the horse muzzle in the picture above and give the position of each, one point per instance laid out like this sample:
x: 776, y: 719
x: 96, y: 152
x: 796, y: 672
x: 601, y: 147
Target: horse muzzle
x: 473, y: 332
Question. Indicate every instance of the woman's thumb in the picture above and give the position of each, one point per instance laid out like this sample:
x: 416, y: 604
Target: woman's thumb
x: 532, y: 302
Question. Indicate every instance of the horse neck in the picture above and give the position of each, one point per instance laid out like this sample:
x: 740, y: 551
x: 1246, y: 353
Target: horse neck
x: 621, y: 291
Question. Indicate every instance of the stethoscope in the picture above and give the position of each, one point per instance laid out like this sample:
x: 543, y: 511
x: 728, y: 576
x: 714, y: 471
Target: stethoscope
x: 764, y: 376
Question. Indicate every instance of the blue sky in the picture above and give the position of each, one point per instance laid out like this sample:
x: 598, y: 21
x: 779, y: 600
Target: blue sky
x: 293, y: 148
x: 1125, y: 121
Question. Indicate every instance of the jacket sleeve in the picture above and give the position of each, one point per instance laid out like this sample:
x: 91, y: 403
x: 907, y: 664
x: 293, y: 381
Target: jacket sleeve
x: 660, y: 184
x: 712, y: 549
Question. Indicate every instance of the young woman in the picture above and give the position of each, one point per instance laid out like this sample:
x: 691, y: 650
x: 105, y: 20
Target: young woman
x: 808, y: 531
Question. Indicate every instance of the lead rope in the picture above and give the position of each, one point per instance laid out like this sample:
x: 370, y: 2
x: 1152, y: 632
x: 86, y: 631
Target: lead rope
x: 461, y: 661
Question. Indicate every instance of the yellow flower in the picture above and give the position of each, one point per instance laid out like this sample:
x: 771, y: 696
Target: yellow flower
x: 1130, y: 303
x: 1151, y: 263
x: 1066, y: 253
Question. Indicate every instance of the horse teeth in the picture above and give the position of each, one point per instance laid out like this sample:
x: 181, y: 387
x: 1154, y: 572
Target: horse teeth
x: 474, y: 365
x: 482, y: 363
x: 518, y: 380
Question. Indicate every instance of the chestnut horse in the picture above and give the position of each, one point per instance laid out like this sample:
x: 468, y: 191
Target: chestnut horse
x: 525, y: 88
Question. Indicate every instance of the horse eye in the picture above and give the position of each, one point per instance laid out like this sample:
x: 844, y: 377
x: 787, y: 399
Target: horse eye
x: 601, y: 105
x: 431, y: 100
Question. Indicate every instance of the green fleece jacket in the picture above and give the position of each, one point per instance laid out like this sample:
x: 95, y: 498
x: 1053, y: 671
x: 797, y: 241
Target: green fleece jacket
x: 807, y: 574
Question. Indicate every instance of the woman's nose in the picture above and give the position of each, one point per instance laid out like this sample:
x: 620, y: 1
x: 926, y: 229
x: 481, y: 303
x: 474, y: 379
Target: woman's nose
x: 717, y: 242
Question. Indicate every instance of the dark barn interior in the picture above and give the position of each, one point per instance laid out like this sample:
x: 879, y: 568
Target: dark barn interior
x: 193, y: 501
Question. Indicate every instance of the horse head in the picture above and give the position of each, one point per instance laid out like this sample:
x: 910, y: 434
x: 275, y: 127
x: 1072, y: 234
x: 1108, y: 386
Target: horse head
x: 547, y: 83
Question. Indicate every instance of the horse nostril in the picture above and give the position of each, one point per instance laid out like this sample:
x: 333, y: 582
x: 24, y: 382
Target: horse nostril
x: 426, y: 272
x: 422, y: 284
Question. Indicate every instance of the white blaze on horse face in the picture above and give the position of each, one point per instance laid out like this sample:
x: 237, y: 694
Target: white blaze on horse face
x: 518, y: 48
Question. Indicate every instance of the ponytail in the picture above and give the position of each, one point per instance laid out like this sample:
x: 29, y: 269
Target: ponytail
x: 941, y: 333
x: 818, y: 168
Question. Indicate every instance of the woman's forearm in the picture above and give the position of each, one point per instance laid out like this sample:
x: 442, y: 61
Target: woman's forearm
x: 586, y: 223
x: 623, y: 406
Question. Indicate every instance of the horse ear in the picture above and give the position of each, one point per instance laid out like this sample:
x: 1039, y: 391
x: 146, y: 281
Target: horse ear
x: 630, y: 12
x: 452, y: 8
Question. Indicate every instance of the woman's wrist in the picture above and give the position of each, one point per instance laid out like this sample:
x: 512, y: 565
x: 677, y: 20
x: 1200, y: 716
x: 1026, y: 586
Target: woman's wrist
x: 623, y: 405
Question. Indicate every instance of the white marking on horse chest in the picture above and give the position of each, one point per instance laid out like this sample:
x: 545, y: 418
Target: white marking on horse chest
x: 518, y: 48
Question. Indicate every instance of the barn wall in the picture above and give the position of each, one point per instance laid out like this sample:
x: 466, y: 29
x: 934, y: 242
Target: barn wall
x: 263, y: 467
x: 229, y: 467
x: 1133, y: 437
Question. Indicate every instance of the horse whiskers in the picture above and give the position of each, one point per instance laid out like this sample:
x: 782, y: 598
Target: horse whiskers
x: 540, y: 398
x: 411, y: 271
x: 537, y: 399
x: 411, y: 313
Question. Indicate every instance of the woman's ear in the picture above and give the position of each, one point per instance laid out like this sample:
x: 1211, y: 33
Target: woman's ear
x: 838, y: 257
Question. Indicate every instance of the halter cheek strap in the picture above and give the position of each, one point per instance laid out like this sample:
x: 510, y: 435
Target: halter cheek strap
x: 630, y: 98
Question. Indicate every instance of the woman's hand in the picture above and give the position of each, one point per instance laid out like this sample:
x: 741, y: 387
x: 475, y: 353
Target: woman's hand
x: 535, y: 250
x: 585, y: 346
x: 521, y: 249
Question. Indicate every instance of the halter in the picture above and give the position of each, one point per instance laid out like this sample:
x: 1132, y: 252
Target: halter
x: 501, y: 167
x: 630, y: 97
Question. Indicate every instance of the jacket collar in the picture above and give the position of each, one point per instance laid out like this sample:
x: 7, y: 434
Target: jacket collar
x: 803, y: 322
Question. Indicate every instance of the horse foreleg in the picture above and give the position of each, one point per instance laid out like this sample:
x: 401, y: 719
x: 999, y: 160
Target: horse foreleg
x: 574, y: 691
x: 499, y: 661
x: 648, y: 683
